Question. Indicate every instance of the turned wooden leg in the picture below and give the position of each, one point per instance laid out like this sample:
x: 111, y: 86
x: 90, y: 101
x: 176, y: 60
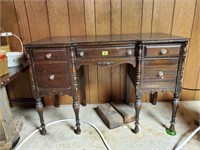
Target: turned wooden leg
x: 171, y: 130
x: 39, y: 107
x: 138, y: 105
x: 76, y: 111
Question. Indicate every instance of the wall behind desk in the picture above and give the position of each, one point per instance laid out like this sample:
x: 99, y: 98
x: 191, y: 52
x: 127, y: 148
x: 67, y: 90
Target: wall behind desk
x: 36, y: 19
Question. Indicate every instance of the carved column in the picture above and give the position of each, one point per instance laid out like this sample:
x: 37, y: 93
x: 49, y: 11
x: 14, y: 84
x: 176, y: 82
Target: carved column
x: 138, y: 102
x: 75, y: 92
x: 175, y: 102
x: 39, y: 107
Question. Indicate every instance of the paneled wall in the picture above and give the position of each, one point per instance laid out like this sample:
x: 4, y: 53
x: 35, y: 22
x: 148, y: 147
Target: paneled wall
x: 36, y: 19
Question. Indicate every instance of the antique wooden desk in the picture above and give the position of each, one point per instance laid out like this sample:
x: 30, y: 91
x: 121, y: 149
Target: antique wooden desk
x: 155, y: 63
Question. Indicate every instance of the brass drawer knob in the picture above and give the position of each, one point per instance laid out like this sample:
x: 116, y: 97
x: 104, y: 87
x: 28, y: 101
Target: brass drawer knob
x: 51, y: 77
x: 48, y: 56
x: 163, y: 51
x: 129, y: 52
x: 81, y: 53
x: 161, y: 74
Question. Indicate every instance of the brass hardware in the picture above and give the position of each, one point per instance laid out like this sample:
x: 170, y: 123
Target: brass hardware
x: 163, y: 51
x: 104, y: 53
x: 104, y: 63
x: 129, y: 52
x: 51, y: 77
x: 48, y: 56
x: 81, y: 53
x: 161, y: 74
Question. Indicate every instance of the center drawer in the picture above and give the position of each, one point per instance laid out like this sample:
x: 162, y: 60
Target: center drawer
x: 52, y: 75
x: 105, y: 52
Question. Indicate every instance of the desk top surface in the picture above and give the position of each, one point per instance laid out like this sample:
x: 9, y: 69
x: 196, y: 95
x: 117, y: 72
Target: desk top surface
x: 143, y: 38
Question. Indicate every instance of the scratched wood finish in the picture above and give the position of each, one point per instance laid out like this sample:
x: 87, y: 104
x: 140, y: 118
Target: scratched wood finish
x: 33, y: 20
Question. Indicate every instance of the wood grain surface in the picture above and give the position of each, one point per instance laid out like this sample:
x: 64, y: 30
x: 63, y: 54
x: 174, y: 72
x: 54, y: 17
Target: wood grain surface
x: 33, y: 20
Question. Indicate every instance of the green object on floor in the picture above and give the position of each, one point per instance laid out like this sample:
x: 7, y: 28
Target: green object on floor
x: 170, y: 132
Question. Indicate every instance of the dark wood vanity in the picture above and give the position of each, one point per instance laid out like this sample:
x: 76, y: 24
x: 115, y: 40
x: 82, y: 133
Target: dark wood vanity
x: 154, y: 63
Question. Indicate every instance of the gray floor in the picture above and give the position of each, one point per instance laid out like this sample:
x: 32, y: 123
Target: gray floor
x: 151, y: 136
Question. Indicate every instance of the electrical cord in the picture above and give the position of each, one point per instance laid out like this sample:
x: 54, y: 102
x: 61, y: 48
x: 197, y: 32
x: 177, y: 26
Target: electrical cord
x: 66, y: 120
x: 187, y: 139
x: 19, y: 41
x: 190, y: 89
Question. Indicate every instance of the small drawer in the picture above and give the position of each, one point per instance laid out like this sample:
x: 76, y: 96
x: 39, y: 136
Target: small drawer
x: 105, y: 52
x: 162, y: 50
x: 50, y: 54
x: 160, y: 70
x: 52, y: 75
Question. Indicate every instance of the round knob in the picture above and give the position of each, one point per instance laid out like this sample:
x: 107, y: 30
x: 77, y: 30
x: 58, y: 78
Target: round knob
x: 48, y: 56
x: 51, y: 77
x: 129, y: 52
x: 161, y: 74
x: 81, y: 53
x: 163, y: 51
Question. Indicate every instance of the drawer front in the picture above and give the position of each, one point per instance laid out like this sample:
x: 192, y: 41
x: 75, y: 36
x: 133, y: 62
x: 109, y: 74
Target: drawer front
x: 160, y: 73
x: 50, y: 54
x: 105, y: 52
x: 162, y: 50
x: 52, y: 75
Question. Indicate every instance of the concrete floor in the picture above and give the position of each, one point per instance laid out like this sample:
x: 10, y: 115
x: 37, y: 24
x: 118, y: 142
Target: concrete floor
x: 151, y: 136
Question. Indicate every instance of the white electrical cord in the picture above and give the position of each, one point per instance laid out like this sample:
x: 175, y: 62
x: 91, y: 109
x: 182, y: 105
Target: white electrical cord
x: 6, y: 34
x: 65, y: 120
x: 188, y: 138
x: 19, y: 41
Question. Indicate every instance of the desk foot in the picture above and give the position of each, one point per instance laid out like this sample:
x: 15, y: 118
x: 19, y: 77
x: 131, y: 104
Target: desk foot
x: 136, y: 129
x: 78, y: 130
x: 171, y: 131
x: 43, y: 131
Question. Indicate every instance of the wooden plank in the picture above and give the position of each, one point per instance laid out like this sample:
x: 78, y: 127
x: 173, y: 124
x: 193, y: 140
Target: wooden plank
x: 123, y: 83
x: 147, y: 14
x: 104, y: 84
x: 22, y: 21
x: 9, y: 23
x: 38, y: 19
x: 93, y: 80
x: 76, y: 17
x: 115, y: 71
x: 90, y: 71
x: 115, y: 17
x: 115, y: 83
x: 102, y: 14
x: 184, y: 14
x: 89, y: 17
x: 131, y: 16
x: 109, y: 116
x: 58, y: 17
x: 192, y: 65
x: 161, y: 10
x: 126, y: 112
